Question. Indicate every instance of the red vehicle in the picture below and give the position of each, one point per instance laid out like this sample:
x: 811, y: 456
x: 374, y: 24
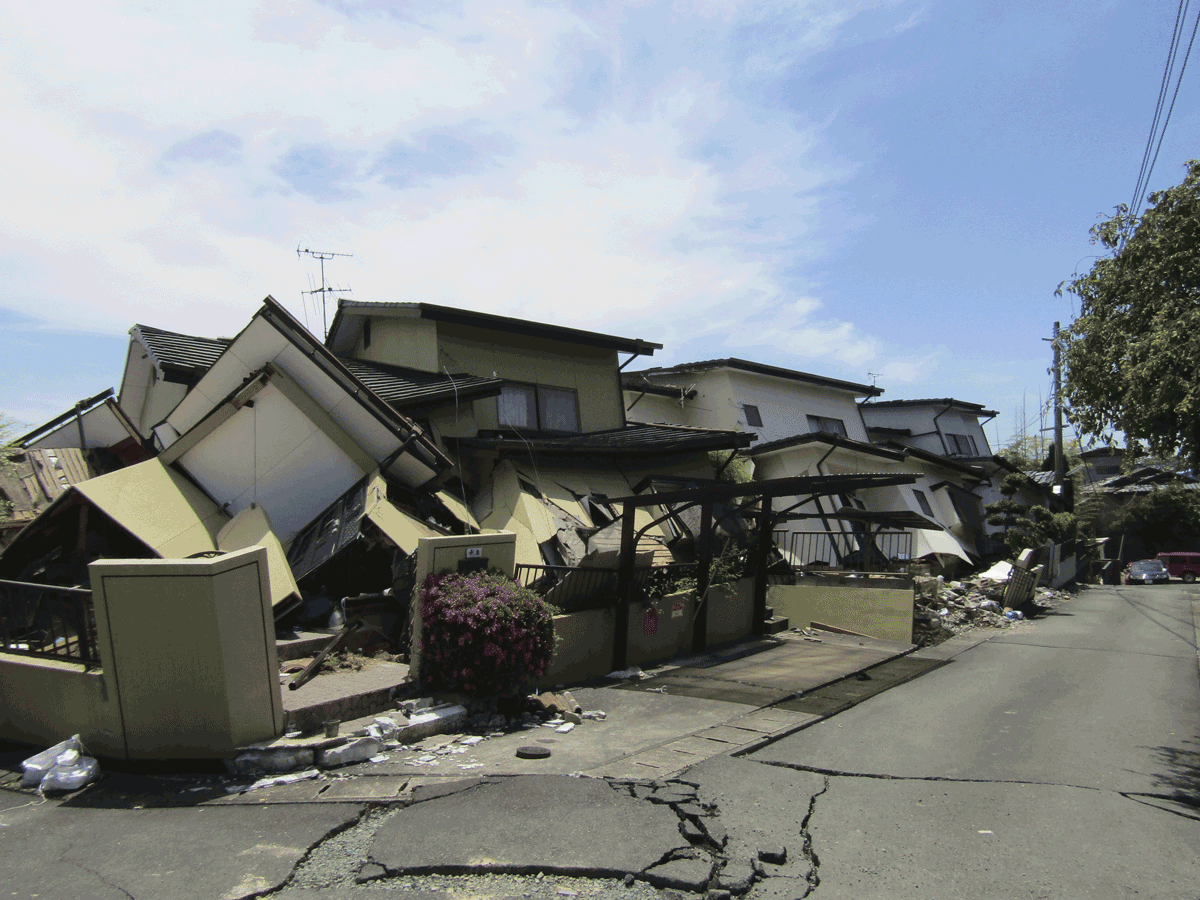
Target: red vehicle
x: 1182, y: 564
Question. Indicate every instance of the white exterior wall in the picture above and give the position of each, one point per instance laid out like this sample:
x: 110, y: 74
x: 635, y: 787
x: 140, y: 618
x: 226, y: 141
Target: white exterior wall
x: 783, y: 404
x: 920, y: 421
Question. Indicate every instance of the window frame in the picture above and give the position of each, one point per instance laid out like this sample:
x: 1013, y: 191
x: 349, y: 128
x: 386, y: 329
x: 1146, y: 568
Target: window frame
x: 752, y: 413
x: 538, y: 394
x: 923, y: 502
x: 816, y: 426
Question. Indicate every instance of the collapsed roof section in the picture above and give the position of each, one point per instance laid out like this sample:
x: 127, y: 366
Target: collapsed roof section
x: 97, y: 423
x: 279, y: 421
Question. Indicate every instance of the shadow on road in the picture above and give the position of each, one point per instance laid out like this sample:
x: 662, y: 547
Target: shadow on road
x: 1180, y: 775
x: 1186, y: 633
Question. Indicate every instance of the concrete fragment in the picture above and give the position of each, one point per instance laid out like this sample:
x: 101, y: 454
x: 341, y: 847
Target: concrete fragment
x: 270, y: 759
x: 438, y: 720
x: 736, y: 878
x: 718, y: 894
x: 691, y: 831
x: 775, y: 855
x: 685, y: 874
x: 355, y: 751
x: 716, y: 831
x: 565, y: 728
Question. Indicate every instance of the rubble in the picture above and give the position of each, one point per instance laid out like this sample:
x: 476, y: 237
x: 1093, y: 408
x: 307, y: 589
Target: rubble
x: 944, y: 609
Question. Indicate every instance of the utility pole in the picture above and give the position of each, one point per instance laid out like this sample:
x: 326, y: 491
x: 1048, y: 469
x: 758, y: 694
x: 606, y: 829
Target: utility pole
x: 324, y: 289
x: 1060, y: 463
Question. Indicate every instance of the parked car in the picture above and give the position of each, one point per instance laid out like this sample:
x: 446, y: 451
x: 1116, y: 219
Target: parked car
x: 1147, y: 571
x: 1182, y: 565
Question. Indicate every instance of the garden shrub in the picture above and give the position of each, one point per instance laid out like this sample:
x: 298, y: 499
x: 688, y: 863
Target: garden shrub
x: 483, y: 634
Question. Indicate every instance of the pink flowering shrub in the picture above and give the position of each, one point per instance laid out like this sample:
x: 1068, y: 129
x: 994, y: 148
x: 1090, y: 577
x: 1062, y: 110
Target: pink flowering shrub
x: 483, y: 634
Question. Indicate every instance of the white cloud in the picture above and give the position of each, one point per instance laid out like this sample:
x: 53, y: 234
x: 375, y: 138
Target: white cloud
x: 171, y: 159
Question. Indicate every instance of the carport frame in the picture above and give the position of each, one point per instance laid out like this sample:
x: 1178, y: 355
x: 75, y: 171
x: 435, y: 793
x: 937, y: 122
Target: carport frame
x: 810, y: 487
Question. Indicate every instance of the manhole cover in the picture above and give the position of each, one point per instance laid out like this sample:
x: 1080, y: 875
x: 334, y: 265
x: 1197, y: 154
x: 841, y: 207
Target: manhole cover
x: 533, y: 752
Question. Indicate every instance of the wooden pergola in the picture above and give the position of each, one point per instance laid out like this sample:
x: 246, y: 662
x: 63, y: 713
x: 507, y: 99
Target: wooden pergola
x: 806, y: 487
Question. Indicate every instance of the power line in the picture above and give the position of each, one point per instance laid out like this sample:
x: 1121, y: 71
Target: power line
x: 1153, y: 145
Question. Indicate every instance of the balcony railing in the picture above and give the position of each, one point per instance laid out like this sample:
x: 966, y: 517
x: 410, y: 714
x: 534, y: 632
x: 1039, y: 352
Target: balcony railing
x: 48, y: 621
x: 572, y: 589
x: 848, y: 551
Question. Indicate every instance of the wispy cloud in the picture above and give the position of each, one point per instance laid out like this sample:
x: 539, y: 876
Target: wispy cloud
x: 605, y: 167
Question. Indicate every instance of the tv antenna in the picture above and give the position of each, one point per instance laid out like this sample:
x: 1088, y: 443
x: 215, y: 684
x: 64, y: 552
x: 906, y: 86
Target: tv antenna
x: 324, y: 289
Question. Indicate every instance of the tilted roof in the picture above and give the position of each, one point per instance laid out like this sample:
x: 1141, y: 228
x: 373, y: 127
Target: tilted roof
x: 976, y: 408
x: 401, y: 387
x: 345, y: 322
x: 632, y: 380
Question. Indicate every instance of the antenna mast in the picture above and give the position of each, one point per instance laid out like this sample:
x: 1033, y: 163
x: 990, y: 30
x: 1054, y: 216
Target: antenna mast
x: 324, y: 289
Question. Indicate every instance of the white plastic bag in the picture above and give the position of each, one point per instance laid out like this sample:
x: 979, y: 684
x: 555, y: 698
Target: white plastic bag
x: 72, y: 777
x: 39, y: 765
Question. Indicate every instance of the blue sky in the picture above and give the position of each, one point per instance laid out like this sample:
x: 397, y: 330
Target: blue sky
x: 866, y: 190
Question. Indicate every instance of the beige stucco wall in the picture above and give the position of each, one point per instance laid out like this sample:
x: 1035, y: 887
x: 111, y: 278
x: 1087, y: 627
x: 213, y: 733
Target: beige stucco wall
x: 583, y: 647
x: 441, y: 554
x: 730, y: 611
x: 591, y: 372
x: 880, y: 612
x: 44, y: 701
x: 402, y: 341
x: 189, y: 652
x: 583, y: 641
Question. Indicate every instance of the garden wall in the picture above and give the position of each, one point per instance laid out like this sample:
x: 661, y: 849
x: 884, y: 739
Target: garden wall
x: 583, y: 648
x: 882, y: 611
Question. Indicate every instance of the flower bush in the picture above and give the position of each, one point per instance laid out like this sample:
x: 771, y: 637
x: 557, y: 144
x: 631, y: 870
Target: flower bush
x: 483, y: 634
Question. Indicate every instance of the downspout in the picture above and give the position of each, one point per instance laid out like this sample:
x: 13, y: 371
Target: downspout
x: 938, y: 428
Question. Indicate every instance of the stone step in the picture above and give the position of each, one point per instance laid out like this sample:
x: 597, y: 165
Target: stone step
x: 343, y: 696
x: 775, y: 625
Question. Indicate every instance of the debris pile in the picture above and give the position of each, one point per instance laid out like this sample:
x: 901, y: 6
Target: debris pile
x: 944, y: 609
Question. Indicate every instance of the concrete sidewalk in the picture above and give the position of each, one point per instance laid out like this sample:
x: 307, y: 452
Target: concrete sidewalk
x: 732, y: 700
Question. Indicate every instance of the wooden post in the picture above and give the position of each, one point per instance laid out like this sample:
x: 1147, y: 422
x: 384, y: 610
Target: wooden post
x: 703, y: 573
x: 760, y: 568
x: 624, y: 585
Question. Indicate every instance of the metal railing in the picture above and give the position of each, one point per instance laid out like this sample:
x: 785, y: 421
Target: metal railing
x: 48, y: 621
x: 572, y: 589
x: 855, y: 551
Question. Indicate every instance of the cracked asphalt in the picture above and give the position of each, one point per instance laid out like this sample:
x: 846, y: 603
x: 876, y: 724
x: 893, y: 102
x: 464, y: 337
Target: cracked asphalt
x: 1060, y: 760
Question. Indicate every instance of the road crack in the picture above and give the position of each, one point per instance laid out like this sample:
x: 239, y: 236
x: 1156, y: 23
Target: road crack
x: 806, y: 846
x: 73, y: 862
x: 837, y: 773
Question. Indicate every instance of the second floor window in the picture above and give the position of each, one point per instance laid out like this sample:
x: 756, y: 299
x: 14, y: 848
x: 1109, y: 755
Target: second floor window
x: 538, y: 408
x: 825, y: 425
x: 753, y: 419
x: 962, y: 445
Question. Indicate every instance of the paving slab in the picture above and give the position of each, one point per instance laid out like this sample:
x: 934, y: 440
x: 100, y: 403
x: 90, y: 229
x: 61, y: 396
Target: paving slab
x: 65, y: 853
x: 582, y: 826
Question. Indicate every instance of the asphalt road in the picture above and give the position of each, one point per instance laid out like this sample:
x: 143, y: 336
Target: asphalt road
x: 1058, y: 760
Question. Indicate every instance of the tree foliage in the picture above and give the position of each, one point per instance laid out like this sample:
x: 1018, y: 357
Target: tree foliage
x: 1164, y: 519
x: 1132, y: 356
x: 1028, y: 526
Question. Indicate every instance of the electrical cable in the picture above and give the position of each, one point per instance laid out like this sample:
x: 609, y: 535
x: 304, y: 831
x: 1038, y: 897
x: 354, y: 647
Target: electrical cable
x: 1150, y: 155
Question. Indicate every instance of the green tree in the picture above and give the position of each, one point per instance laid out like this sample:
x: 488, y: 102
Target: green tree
x: 1028, y: 526
x: 1166, y: 518
x: 1133, y: 355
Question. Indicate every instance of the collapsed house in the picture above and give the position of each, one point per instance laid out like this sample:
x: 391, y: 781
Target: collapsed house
x: 812, y: 425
